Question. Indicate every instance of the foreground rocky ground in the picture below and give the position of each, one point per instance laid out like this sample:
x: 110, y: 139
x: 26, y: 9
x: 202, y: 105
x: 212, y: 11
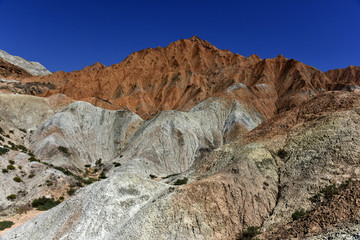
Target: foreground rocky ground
x: 279, y: 152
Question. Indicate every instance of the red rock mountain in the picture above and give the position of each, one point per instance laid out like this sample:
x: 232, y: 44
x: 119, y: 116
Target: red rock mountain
x: 188, y: 71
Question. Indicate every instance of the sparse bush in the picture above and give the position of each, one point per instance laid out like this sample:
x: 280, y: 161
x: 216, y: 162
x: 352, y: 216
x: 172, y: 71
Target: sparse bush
x: 5, y: 224
x: 3, y: 151
x: 31, y: 175
x: 7, y: 135
x: 2, y: 139
x: 282, y: 153
x: 71, y: 191
x: 329, y: 191
x: 316, y: 198
x: 10, y: 167
x: 116, y: 164
x: 17, y: 179
x: 22, y: 148
x: 61, y: 198
x: 64, y: 150
x: 249, y: 233
x: 1, y: 131
x: 181, y: 181
x: 11, y: 161
x: 49, y: 183
x: 152, y: 176
x: 4, y: 170
x: 89, y: 181
x: 11, y: 131
x: 298, y: 214
x: 102, y: 175
x: 87, y: 165
x: 44, y: 203
x: 98, y: 162
x: 23, y: 130
x: 33, y: 159
x: 11, y: 197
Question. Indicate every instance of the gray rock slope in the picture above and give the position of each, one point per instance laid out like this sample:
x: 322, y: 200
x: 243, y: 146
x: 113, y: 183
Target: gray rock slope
x: 34, y: 68
x: 171, y: 143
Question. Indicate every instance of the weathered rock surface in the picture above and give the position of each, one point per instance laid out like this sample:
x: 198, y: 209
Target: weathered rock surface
x: 34, y: 68
x: 89, y: 133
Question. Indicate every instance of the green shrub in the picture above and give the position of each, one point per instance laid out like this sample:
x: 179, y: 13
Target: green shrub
x: 61, y: 198
x: 116, y: 164
x: 329, y: 191
x: 22, y: 148
x: 31, y: 175
x: 33, y: 159
x: 298, y: 214
x: 152, y: 176
x: 49, y: 183
x: 5, y: 224
x: 89, y: 181
x: 102, y: 175
x: 64, y: 150
x: 2, y: 139
x: 249, y: 233
x: 4, y: 170
x: 1, y: 131
x: 11, y: 161
x: 11, y: 197
x: 7, y: 135
x: 3, y: 151
x: 282, y: 153
x: 11, y: 131
x: 10, y: 167
x: 87, y: 165
x: 71, y: 191
x: 98, y: 162
x: 23, y: 130
x: 181, y: 181
x: 17, y: 179
x: 44, y: 203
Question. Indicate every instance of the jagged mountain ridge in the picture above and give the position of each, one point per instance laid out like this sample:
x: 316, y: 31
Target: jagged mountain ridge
x: 186, y: 72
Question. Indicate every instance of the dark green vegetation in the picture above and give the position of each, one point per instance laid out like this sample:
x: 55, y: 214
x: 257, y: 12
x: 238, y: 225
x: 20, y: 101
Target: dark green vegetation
x: 181, y: 181
x: 5, y: 224
x: 11, y: 197
x: 17, y: 179
x: 298, y: 214
x: 329, y: 191
x: 3, y: 150
x: 249, y: 233
x: 44, y: 203
x: 64, y: 150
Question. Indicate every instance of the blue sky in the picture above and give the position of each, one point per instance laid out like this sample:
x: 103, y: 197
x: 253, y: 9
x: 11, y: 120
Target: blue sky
x: 68, y: 35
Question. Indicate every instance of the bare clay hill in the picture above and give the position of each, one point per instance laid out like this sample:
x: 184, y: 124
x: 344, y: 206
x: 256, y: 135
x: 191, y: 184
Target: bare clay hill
x: 183, y: 142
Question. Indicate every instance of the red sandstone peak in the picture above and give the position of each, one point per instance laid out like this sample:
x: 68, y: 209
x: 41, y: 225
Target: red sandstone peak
x: 188, y: 71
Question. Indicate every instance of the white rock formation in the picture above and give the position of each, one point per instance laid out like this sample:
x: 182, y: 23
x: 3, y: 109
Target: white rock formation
x: 34, y: 68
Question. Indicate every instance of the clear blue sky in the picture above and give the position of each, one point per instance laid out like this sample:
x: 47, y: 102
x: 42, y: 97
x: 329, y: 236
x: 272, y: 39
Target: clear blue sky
x: 68, y: 35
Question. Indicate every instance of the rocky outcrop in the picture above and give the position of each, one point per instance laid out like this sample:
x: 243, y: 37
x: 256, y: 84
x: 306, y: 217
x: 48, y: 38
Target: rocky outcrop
x: 87, y: 132
x: 34, y: 68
